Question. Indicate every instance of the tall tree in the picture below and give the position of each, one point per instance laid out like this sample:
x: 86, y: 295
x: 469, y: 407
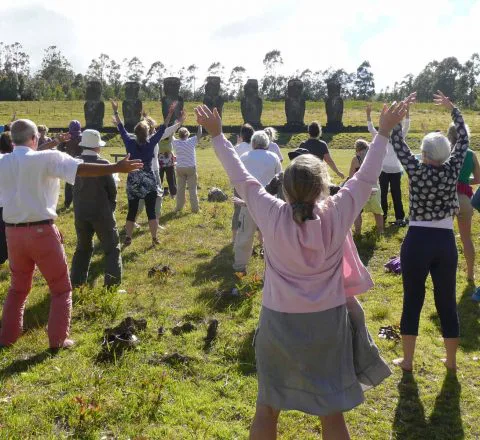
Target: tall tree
x: 272, y: 83
x: 191, y: 78
x: 98, y: 68
x: 135, y: 69
x: 364, y: 85
x: 154, y: 80
x: 236, y: 81
x: 468, y: 82
x: 114, y: 77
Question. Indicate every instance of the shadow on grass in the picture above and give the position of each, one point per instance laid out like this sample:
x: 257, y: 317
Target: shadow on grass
x: 21, y: 365
x: 366, y: 245
x: 218, y: 268
x: 445, y: 421
x: 36, y: 316
x: 246, y: 355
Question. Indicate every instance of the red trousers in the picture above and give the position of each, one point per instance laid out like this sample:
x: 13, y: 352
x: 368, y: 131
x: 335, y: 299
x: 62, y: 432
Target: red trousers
x: 39, y: 245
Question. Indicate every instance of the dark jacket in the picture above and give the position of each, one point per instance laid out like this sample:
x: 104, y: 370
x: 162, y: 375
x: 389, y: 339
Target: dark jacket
x: 94, y: 198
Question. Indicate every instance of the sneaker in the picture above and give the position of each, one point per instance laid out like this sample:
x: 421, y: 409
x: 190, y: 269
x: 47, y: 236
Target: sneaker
x: 476, y: 295
x: 155, y: 241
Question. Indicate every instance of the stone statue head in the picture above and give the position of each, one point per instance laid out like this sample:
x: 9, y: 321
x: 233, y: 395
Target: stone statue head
x: 333, y: 88
x: 212, y: 87
x: 94, y: 91
x: 171, y: 86
x: 295, y: 88
x: 251, y: 88
x: 132, y: 89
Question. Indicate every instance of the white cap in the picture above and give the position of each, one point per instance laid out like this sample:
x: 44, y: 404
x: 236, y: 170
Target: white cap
x: 91, y: 139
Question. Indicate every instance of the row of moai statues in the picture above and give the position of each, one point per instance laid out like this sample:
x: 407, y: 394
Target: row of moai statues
x: 251, y: 103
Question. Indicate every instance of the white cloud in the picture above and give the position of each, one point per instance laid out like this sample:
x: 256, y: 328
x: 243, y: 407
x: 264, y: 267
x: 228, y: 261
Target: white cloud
x: 396, y: 38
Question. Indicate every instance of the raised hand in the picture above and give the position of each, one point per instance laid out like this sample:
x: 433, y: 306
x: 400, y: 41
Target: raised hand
x: 440, y: 99
x: 368, y: 110
x: 62, y: 137
x: 211, y: 121
x: 127, y: 166
x: 114, y: 105
x: 391, y: 116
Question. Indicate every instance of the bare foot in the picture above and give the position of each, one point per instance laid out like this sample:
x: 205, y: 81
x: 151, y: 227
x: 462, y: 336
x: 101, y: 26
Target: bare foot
x: 449, y: 365
x: 405, y: 366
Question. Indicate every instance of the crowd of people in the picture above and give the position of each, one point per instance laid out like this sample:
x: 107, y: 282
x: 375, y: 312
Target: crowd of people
x: 313, y: 350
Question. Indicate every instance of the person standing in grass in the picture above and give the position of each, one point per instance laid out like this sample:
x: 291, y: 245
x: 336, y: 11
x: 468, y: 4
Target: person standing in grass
x: 72, y: 148
x: 465, y: 193
x: 30, y: 182
x: 307, y: 357
x: 184, y: 150
x: 6, y: 147
x: 273, y: 146
x: 43, y: 131
x: 142, y: 185
x: 319, y: 148
x: 94, y: 203
x: 391, y: 174
x: 243, y: 146
x: 373, y: 203
x: 429, y: 246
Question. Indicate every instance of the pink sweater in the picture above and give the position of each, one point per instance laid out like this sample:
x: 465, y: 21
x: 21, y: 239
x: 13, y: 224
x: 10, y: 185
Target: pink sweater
x: 313, y: 266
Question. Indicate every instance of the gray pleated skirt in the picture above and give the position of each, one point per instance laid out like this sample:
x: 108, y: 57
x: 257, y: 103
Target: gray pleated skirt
x: 319, y: 363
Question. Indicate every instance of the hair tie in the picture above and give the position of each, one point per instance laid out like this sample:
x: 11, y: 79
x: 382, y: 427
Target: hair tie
x: 303, y: 207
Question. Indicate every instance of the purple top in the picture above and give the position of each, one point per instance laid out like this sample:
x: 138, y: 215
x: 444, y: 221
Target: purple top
x: 144, y: 152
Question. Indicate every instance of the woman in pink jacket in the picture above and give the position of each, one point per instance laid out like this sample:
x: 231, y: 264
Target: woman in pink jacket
x: 307, y: 357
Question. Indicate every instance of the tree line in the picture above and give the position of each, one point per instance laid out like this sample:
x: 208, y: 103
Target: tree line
x: 57, y: 80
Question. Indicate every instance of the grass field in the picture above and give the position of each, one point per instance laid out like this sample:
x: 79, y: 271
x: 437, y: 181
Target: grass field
x: 76, y: 394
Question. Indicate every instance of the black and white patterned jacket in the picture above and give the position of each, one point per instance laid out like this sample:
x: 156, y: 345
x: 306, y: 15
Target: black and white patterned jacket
x: 433, y: 190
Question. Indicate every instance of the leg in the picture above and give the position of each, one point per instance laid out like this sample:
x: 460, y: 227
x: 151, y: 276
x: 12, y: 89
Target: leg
x: 182, y: 182
x: 107, y: 234
x: 464, y: 220
x: 396, y: 190
x: 384, y: 180
x: 141, y: 207
x: 244, y: 240
x: 68, y: 195
x: 264, y: 426
x: 83, y: 253
x: 192, y: 188
x: 22, y: 267
x: 444, y: 272
x: 131, y: 215
x: 162, y: 173
x: 379, y: 222
x: 172, y: 181
x: 334, y: 427
x: 150, y: 201
x: 358, y: 224
x: 415, y: 260
x: 49, y: 255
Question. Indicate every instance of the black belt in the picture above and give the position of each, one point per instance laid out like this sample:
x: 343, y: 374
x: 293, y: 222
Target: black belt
x: 26, y: 225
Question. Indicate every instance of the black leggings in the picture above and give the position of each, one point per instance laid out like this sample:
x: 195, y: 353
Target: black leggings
x: 150, y: 200
x: 394, y: 181
x: 171, y: 179
x: 434, y: 251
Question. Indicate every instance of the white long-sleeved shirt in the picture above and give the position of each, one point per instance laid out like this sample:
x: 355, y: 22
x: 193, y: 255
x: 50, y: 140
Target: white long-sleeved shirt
x: 391, y: 164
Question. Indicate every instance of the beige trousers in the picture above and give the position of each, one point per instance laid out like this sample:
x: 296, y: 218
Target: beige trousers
x: 244, y: 240
x: 187, y: 175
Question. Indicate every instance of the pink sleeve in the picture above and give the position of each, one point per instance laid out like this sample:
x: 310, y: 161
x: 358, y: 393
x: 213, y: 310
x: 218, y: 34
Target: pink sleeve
x: 346, y: 205
x: 261, y: 205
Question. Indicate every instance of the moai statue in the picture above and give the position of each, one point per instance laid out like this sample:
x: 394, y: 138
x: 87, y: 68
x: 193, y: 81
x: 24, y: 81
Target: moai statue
x: 251, y: 104
x: 295, y: 104
x: 334, y: 106
x: 132, y: 106
x: 212, y: 96
x: 94, y: 107
x: 171, y: 89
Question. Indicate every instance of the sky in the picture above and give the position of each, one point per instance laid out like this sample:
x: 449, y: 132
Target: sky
x: 397, y: 38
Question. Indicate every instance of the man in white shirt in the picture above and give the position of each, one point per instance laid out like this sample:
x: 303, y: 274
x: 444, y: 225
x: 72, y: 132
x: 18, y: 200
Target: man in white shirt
x: 30, y: 182
x: 243, y: 146
x: 263, y: 165
x: 391, y: 174
x: 184, y: 150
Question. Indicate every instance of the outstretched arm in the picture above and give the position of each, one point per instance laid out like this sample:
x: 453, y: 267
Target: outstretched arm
x: 60, y: 138
x: 460, y: 150
x: 371, y: 128
x: 327, y: 158
x: 97, y: 170
x: 116, y: 117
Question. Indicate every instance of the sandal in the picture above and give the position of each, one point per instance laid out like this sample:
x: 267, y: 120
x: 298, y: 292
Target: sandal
x: 127, y: 241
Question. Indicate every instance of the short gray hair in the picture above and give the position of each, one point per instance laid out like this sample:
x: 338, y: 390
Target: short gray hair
x: 260, y: 140
x: 452, y: 133
x: 22, y: 131
x: 436, y: 147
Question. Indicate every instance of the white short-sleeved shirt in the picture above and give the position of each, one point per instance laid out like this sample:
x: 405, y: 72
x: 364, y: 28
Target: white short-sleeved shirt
x: 261, y: 164
x: 242, y: 148
x: 185, y: 152
x: 30, y: 182
x: 274, y: 148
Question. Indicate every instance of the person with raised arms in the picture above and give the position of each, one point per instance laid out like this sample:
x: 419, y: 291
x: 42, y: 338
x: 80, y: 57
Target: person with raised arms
x: 307, y: 357
x: 30, y: 182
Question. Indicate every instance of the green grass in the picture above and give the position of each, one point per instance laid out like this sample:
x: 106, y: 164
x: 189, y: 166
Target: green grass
x: 75, y: 395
